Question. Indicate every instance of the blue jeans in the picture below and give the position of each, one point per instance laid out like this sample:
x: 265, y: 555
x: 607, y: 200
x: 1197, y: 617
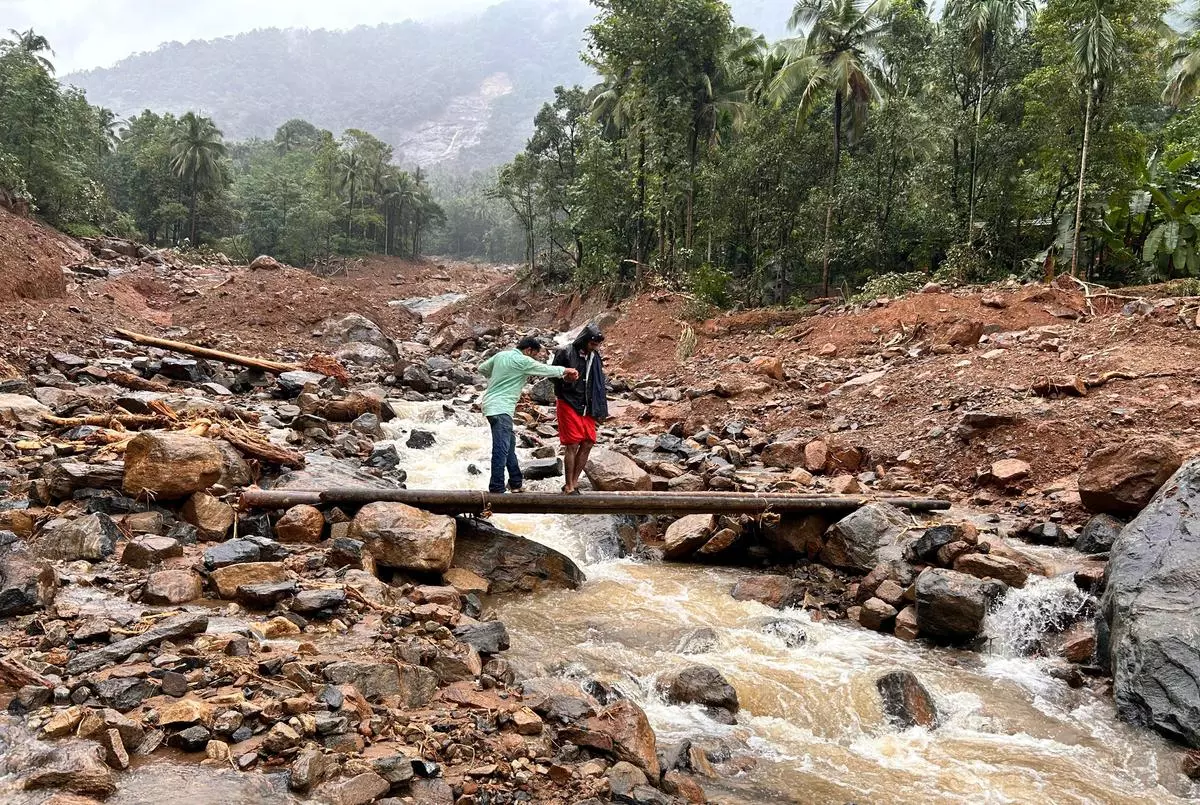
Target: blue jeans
x: 504, y: 454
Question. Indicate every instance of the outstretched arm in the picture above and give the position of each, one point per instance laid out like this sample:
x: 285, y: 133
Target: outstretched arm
x: 485, y: 368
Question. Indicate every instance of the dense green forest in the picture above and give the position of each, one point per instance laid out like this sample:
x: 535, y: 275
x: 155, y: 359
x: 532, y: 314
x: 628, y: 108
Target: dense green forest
x: 880, y: 144
x: 302, y: 196
x: 1003, y: 137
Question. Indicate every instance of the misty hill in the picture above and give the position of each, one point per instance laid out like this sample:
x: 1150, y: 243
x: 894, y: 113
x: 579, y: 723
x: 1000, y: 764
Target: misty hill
x: 461, y: 93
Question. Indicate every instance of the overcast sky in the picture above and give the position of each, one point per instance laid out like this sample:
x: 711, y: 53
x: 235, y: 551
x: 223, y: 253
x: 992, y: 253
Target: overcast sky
x: 98, y: 33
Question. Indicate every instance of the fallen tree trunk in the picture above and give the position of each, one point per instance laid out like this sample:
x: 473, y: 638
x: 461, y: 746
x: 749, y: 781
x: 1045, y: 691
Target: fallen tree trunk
x: 460, y: 501
x: 109, y: 421
x: 275, y: 367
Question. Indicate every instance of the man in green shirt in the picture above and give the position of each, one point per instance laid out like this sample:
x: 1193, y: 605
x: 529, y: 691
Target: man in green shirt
x: 507, y: 373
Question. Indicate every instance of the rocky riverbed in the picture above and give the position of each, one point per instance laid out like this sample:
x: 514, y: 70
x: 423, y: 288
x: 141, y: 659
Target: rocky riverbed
x: 154, y: 630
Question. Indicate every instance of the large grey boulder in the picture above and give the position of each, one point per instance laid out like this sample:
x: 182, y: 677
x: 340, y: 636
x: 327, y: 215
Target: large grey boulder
x: 1149, y: 630
x: 866, y: 537
x: 951, y: 605
x: 511, y: 563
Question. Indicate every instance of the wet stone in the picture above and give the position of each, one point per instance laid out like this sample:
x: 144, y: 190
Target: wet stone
x: 232, y: 552
x: 265, y: 595
x: 487, y: 638
x: 192, y: 739
x: 420, y: 440
x: 124, y: 693
x: 318, y: 603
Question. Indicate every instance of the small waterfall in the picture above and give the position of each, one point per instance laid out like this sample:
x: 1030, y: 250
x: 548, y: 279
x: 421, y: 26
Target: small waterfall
x: 1025, y: 616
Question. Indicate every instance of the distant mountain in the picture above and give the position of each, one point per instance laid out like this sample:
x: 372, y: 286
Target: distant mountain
x: 461, y: 93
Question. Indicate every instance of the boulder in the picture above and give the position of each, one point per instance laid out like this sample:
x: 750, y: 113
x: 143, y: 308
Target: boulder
x: 865, y: 537
x: 769, y: 366
x: 27, y: 584
x: 486, y: 638
x: 987, y: 566
x: 878, y: 615
x: 613, y: 472
x: 632, y: 738
x: 796, y: 535
x: 401, y: 536
x: 164, y: 465
x: 1148, y: 633
x: 413, y: 685
x: 264, y: 262
x: 17, y: 409
x: 511, y: 563
x: 1122, y: 479
x: 300, y: 524
x: 784, y: 455
x: 1099, y: 534
x: 951, y: 605
x: 149, y: 550
x: 172, y: 587
x: 816, y: 455
x: 354, y: 328
x: 233, y: 552
x: 702, y: 685
x: 906, y: 702
x: 362, y: 354
x: 1008, y: 471
x: 93, y: 538
x: 212, y: 517
x: 688, y: 534
x: 227, y: 579
x: 75, y: 766
x: 773, y: 590
x: 925, y: 547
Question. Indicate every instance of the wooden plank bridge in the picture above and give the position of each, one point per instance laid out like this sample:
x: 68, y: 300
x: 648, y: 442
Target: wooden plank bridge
x: 465, y: 501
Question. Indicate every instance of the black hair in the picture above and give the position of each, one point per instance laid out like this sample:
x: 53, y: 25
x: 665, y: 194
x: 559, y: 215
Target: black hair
x: 529, y: 342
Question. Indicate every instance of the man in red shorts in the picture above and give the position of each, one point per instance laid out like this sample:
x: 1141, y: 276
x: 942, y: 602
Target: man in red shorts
x: 580, y: 404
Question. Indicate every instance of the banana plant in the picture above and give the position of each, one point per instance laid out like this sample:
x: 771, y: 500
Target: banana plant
x: 1158, y: 224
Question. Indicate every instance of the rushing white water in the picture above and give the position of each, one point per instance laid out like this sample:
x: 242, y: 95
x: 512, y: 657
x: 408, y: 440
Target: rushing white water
x: 811, y: 729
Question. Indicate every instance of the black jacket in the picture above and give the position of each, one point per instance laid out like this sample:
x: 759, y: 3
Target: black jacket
x: 587, y: 395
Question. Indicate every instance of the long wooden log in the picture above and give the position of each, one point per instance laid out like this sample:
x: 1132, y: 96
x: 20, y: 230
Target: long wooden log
x: 275, y: 367
x: 463, y: 501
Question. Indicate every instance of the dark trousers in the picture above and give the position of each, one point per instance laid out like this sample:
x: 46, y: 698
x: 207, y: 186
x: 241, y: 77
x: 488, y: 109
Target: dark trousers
x: 504, y: 454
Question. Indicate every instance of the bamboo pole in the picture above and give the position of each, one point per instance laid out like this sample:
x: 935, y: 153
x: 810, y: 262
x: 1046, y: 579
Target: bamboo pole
x: 462, y: 501
x: 275, y: 367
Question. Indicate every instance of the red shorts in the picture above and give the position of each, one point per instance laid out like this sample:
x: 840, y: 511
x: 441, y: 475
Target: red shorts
x: 573, y: 427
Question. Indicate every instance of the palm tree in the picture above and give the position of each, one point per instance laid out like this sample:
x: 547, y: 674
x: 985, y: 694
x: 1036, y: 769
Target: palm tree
x: 107, y: 126
x: 720, y: 104
x: 196, y: 153
x: 1093, y: 57
x: 34, y: 44
x: 1183, y: 80
x: 986, y: 21
x: 618, y: 110
x: 350, y: 169
x: 839, y: 54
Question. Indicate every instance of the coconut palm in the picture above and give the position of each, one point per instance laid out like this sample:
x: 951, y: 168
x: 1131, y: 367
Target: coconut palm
x: 34, y: 44
x: 838, y: 55
x: 986, y: 23
x: 1093, y: 56
x: 196, y: 152
x: 350, y: 174
x: 1183, y: 78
